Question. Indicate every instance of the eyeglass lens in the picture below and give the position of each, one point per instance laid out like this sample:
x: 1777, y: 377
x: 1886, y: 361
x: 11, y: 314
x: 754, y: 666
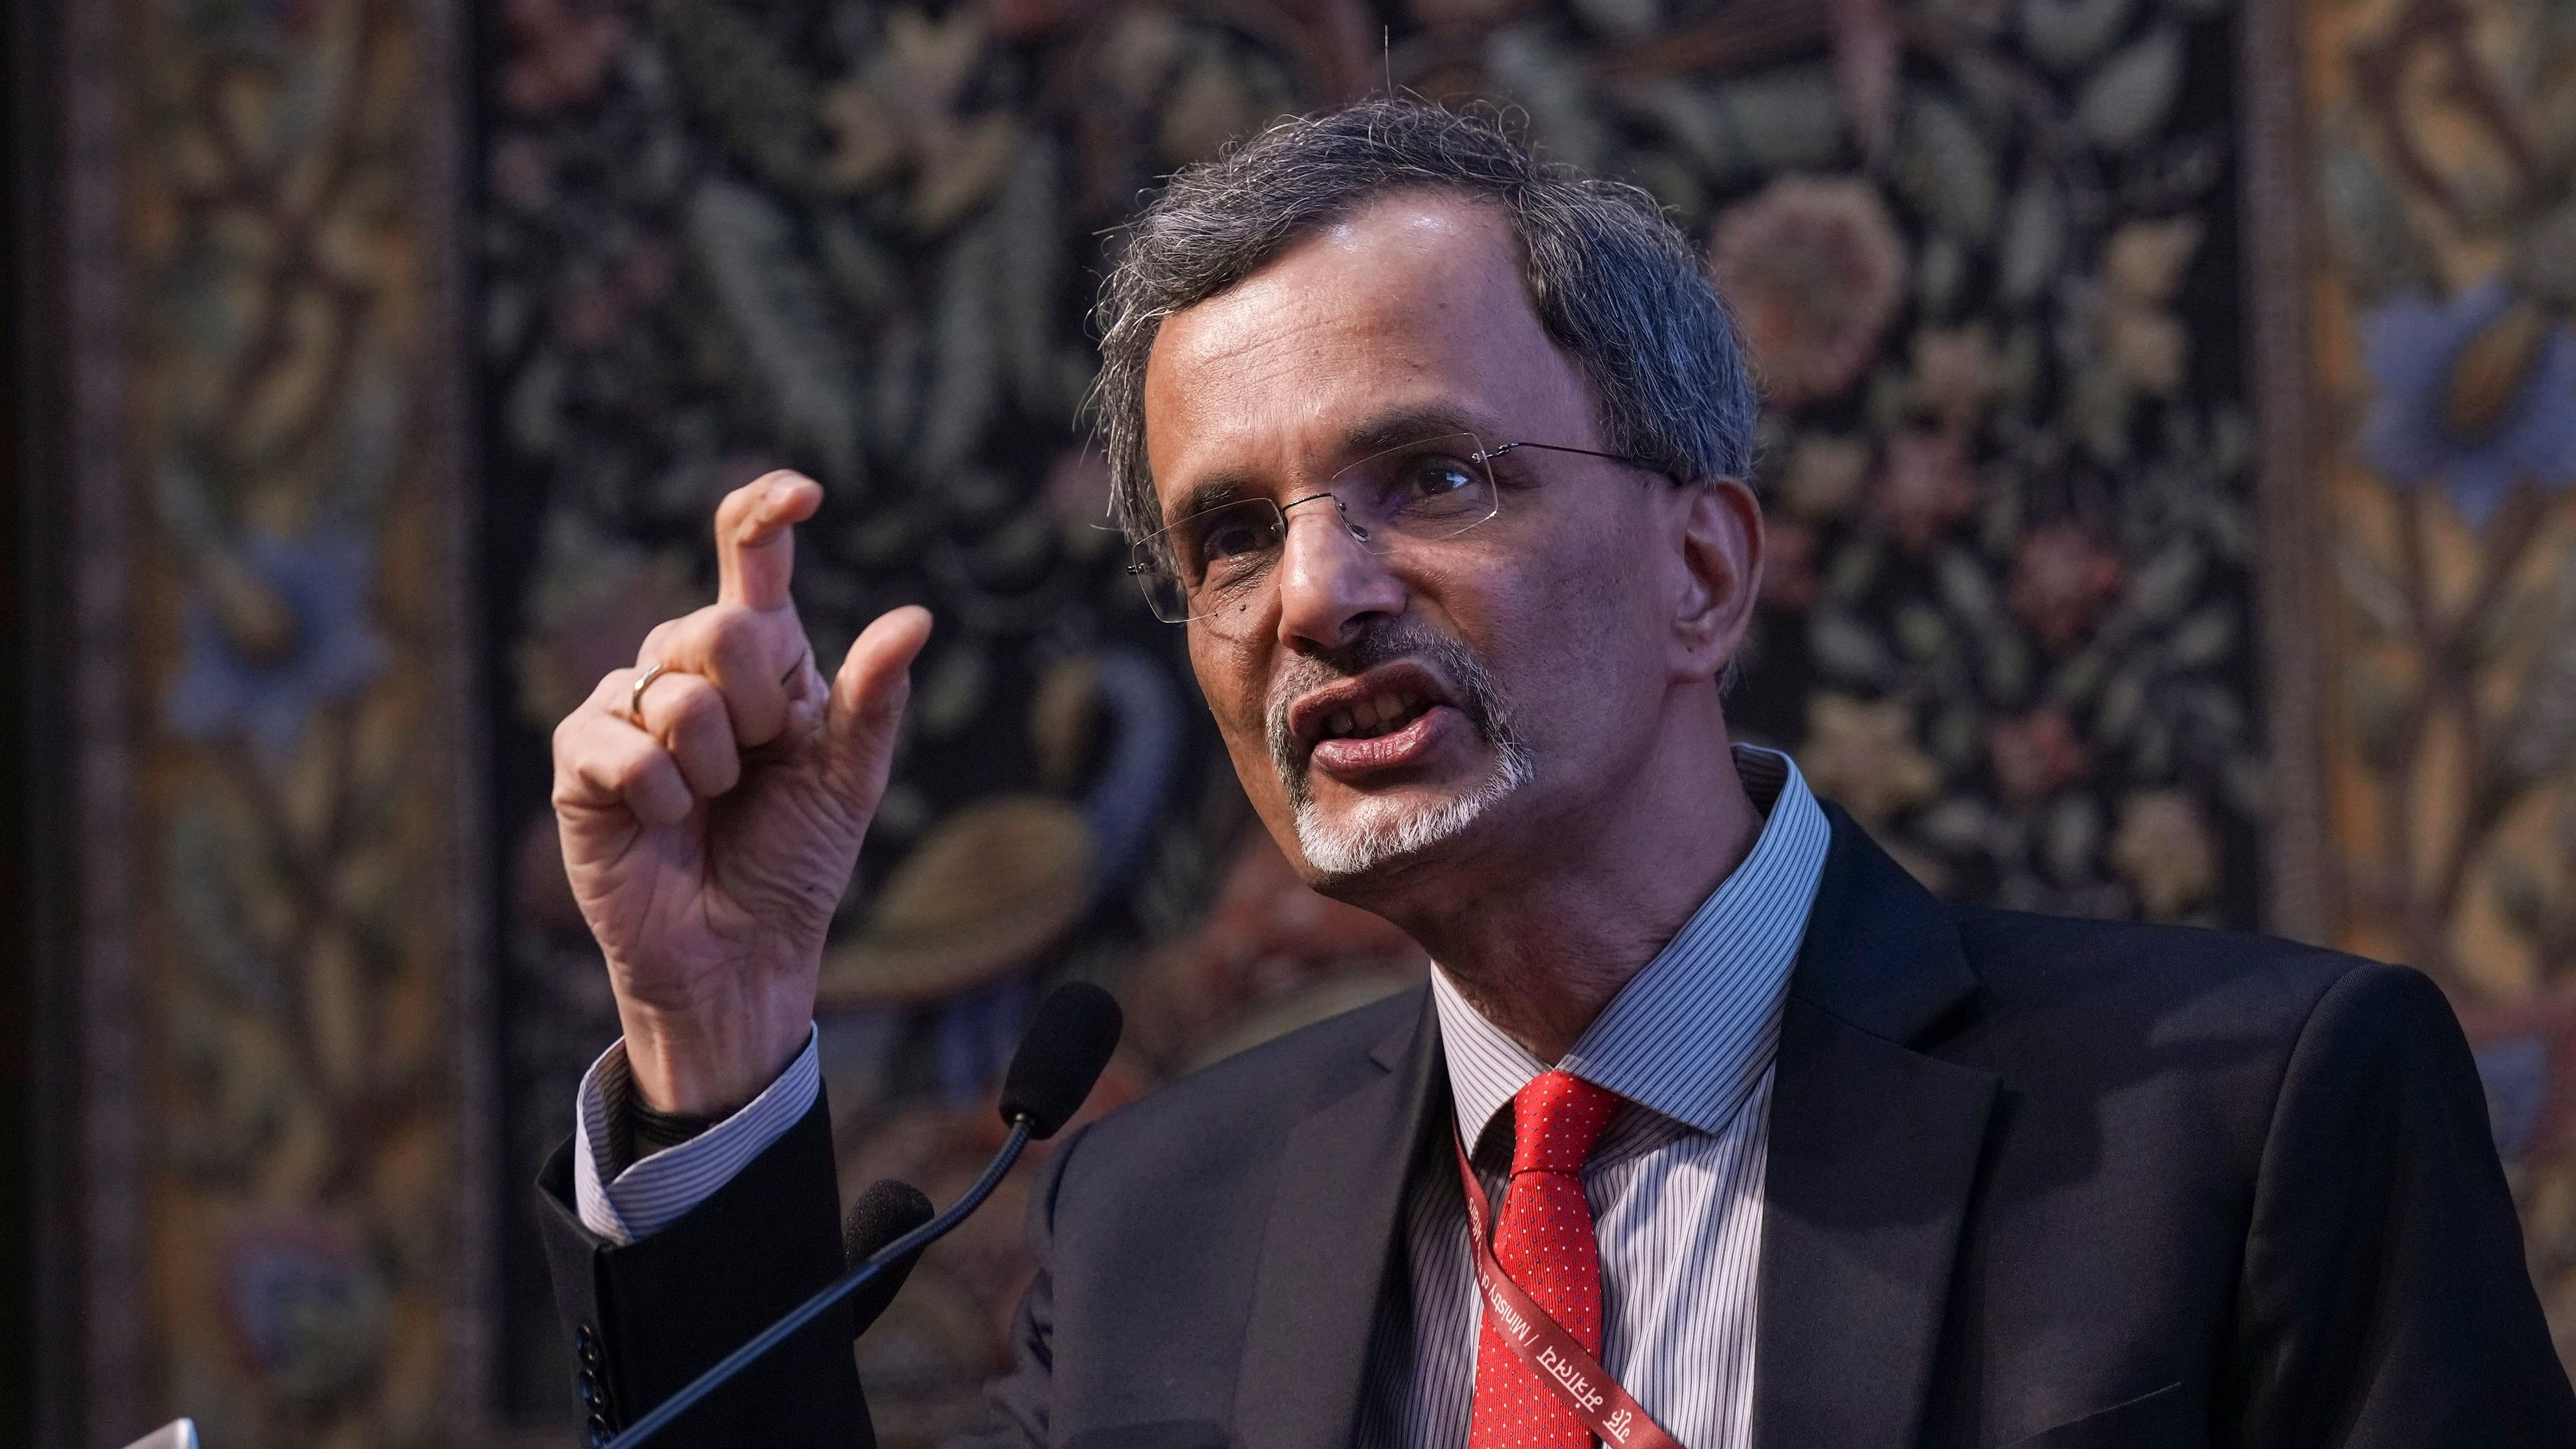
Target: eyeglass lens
x: 1219, y: 560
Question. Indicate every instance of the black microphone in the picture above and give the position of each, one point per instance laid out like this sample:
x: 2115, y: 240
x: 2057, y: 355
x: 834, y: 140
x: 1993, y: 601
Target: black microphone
x: 1062, y: 1054
x: 885, y: 1212
x: 1067, y: 1044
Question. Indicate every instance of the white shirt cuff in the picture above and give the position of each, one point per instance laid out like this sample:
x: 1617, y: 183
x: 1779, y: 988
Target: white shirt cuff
x: 653, y: 1193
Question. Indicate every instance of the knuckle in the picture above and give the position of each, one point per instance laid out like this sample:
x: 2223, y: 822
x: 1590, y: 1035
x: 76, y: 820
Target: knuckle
x: 573, y: 729
x: 692, y: 639
x: 732, y: 633
x: 633, y: 770
x: 741, y: 650
x: 738, y: 504
x: 694, y: 704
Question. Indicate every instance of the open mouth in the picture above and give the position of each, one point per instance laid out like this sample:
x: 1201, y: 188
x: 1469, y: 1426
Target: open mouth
x: 1379, y: 702
x: 1398, y: 716
x: 1381, y: 714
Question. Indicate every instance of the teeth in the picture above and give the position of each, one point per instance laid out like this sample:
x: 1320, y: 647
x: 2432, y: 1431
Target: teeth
x: 1369, y: 718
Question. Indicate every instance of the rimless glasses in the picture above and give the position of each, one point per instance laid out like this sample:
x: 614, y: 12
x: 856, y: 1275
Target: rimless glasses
x: 1220, y: 562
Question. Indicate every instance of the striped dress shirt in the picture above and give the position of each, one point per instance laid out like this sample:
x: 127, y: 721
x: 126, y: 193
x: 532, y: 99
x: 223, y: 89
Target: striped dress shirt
x: 655, y: 1191
x: 1675, y: 1183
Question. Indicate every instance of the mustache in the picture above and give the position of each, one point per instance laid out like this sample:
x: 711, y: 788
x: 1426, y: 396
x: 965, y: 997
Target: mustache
x: 1477, y: 696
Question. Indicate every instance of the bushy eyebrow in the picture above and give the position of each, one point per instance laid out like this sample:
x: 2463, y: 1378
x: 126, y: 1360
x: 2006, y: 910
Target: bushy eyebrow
x: 1375, y: 434
x: 1211, y: 492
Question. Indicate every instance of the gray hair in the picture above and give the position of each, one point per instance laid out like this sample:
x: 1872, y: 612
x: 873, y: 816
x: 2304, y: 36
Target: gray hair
x: 1613, y: 283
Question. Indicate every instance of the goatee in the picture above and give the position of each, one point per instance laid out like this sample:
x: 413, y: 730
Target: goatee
x: 1375, y: 833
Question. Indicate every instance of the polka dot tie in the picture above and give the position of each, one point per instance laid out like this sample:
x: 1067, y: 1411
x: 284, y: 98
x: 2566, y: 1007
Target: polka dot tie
x: 1544, y: 1241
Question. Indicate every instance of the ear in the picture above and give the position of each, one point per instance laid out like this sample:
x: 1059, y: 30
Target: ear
x: 1721, y: 575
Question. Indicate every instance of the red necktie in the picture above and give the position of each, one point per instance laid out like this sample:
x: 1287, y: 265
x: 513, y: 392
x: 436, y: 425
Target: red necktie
x: 1544, y: 1241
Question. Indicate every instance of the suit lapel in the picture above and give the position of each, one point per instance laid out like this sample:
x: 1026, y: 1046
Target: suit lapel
x: 1325, y: 1252
x: 1873, y: 1154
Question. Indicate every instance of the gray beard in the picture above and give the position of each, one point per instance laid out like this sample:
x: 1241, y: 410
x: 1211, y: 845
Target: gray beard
x: 1377, y: 833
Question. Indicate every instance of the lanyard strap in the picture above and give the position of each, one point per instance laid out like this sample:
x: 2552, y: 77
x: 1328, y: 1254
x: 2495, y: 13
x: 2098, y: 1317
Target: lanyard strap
x: 1544, y: 1345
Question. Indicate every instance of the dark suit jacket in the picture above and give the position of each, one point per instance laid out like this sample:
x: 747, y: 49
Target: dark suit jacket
x: 2041, y: 1183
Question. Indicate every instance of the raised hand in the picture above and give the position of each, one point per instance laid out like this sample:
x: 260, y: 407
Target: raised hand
x: 711, y: 818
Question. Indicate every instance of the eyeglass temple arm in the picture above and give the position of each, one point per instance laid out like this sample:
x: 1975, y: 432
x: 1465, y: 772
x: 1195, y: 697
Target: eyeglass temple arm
x: 1490, y: 454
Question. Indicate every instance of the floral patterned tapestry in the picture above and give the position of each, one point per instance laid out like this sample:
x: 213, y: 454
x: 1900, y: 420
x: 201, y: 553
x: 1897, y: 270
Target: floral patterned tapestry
x: 2020, y: 277
x: 278, y: 1191
x: 2440, y: 137
x: 1986, y: 255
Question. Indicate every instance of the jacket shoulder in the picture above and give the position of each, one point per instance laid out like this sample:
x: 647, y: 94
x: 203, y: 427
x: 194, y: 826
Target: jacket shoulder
x: 2068, y: 968
x: 1266, y: 1089
x: 2206, y: 1022
x: 2160, y: 1058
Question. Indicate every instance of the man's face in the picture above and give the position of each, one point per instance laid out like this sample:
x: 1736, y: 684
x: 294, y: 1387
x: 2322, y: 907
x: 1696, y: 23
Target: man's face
x: 1392, y: 706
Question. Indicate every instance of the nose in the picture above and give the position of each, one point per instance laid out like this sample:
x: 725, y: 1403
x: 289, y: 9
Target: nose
x: 1328, y: 584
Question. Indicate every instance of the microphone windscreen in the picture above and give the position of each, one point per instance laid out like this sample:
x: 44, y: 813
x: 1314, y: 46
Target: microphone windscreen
x: 885, y: 1212
x: 1068, y: 1042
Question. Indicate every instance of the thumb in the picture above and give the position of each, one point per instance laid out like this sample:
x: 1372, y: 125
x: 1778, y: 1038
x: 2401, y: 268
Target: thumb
x: 865, y: 713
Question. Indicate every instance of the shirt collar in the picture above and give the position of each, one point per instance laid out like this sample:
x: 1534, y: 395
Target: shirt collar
x: 1690, y: 1035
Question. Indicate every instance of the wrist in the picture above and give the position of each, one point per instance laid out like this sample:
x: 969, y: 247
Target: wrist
x: 692, y: 1067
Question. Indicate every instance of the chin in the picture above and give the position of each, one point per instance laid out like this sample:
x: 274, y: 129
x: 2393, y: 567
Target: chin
x: 1374, y: 834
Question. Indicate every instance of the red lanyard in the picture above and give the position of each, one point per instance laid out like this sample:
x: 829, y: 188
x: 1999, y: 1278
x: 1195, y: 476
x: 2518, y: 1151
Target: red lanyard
x: 1543, y: 1344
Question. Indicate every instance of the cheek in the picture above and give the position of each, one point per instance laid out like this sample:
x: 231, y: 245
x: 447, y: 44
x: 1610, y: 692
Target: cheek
x: 1575, y: 645
x: 1230, y: 679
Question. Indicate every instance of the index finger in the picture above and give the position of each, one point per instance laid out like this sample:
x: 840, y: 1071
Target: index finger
x: 756, y: 537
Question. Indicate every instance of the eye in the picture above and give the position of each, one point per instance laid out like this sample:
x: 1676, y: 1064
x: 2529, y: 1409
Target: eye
x: 1434, y: 476
x: 1235, y: 536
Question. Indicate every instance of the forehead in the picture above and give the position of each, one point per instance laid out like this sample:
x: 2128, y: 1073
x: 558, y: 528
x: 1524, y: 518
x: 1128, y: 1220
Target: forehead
x: 1412, y: 305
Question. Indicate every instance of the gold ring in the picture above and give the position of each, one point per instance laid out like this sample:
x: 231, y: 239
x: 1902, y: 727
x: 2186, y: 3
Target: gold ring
x: 635, y: 694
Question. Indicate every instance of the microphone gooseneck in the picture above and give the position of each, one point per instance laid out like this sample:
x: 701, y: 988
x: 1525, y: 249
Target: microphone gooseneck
x: 1069, y: 1041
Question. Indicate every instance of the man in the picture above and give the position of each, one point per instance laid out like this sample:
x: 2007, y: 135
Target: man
x: 1437, y: 455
